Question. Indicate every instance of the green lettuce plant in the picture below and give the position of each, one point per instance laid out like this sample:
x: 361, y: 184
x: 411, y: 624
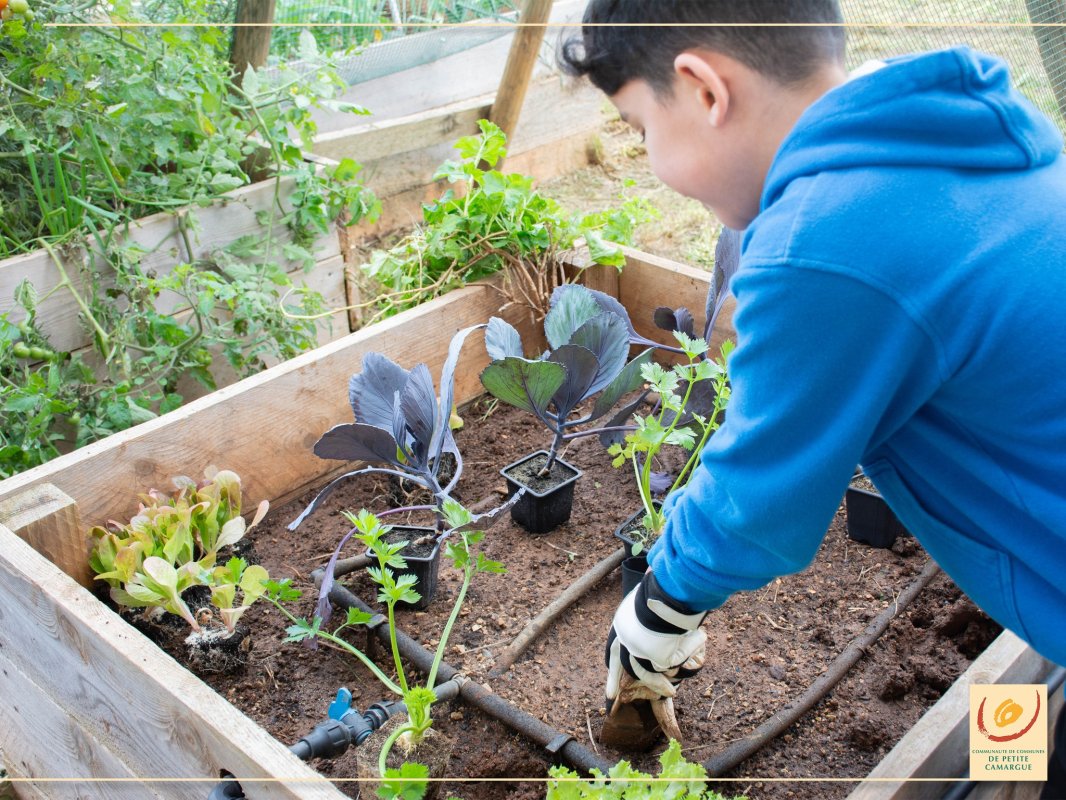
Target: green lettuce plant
x: 172, y: 543
x: 678, y: 779
x: 461, y: 546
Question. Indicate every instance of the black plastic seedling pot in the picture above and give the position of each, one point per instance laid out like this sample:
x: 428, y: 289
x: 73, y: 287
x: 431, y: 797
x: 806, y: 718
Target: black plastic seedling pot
x: 869, y: 519
x: 424, y: 563
x: 633, y: 569
x: 632, y: 523
x: 548, y: 500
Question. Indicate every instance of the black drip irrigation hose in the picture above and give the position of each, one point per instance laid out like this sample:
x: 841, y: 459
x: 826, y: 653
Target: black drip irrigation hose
x: 961, y: 790
x: 561, y: 744
x: 724, y: 761
x: 557, y: 744
x: 334, y: 735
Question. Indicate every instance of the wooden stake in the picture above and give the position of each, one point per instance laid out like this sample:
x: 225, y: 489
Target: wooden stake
x: 520, y: 62
x: 251, y: 45
x: 47, y: 520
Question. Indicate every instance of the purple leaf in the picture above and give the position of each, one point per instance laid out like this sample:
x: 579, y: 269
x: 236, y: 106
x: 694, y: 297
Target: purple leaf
x: 371, y: 391
x: 660, y: 482
x: 726, y: 263
x: 675, y: 319
x: 447, y: 398
x: 333, y: 484
x: 569, y: 311
x: 525, y: 384
x: 502, y: 340
x: 605, y: 335
x: 418, y: 402
x: 323, y: 609
x: 626, y: 381
x: 356, y: 441
x: 581, y: 369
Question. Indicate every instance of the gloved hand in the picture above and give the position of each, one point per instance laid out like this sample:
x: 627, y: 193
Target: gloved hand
x: 654, y: 640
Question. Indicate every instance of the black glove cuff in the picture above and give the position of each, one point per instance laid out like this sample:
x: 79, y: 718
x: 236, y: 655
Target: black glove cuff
x: 651, y: 590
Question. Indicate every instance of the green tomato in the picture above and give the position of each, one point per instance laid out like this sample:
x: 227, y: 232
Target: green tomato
x: 6, y: 14
x: 19, y: 6
x: 21, y: 350
x: 40, y: 353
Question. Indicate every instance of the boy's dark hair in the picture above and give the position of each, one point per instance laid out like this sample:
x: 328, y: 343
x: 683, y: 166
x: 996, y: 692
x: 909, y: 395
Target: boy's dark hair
x: 615, y: 47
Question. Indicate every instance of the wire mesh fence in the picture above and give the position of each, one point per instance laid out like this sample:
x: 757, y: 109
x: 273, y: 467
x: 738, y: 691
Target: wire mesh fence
x: 371, y: 38
x: 1022, y: 32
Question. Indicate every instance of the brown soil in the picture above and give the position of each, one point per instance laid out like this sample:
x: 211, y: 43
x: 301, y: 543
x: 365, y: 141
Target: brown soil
x: 764, y: 647
x: 530, y: 473
x: 864, y: 483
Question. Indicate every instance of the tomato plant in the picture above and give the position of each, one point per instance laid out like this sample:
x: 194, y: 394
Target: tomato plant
x: 100, y: 126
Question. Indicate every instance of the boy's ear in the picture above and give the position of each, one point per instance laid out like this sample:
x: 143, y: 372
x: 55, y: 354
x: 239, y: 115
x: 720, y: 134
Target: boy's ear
x: 698, y: 74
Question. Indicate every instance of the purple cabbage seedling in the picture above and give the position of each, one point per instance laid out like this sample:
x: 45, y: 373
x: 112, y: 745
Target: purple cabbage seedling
x: 588, y: 357
x: 401, y: 428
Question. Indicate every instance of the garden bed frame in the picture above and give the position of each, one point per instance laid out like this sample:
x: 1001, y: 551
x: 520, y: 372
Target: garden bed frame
x: 85, y: 696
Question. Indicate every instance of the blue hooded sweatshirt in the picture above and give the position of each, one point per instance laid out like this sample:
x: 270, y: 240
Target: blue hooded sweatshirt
x: 901, y: 304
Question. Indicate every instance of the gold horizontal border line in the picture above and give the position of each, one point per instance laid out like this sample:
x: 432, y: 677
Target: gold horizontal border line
x: 481, y: 25
x: 745, y: 779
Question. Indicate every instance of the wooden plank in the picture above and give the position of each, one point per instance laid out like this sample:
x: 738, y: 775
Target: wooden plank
x: 936, y: 747
x: 650, y: 281
x: 328, y: 279
x: 402, y: 155
x: 121, y: 688
x: 272, y: 418
x: 18, y: 789
x: 455, y: 78
x: 52, y: 753
x: 522, y: 57
x: 47, y: 520
x: 375, y: 140
x: 161, y: 237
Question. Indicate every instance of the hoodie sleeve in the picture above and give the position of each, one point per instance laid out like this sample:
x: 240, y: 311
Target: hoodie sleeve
x: 826, y: 367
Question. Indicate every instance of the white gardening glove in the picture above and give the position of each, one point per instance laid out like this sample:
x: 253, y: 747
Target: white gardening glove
x: 654, y: 639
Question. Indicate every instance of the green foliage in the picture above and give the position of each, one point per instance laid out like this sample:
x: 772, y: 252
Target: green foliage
x: 497, y: 221
x: 101, y: 126
x: 680, y: 420
x: 350, y: 26
x: 393, y: 588
x: 406, y: 783
x: 678, y: 779
x: 172, y: 544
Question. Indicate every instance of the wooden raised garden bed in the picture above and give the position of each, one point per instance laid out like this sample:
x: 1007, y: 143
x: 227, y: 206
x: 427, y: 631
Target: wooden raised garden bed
x: 87, y: 696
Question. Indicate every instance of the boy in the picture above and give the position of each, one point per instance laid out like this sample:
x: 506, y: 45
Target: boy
x: 901, y: 304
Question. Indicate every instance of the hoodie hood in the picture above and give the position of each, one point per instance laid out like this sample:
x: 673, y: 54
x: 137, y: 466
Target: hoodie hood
x: 952, y: 109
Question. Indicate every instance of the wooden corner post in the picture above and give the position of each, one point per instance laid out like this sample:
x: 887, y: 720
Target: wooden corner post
x: 47, y: 519
x: 511, y: 93
x: 251, y: 37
